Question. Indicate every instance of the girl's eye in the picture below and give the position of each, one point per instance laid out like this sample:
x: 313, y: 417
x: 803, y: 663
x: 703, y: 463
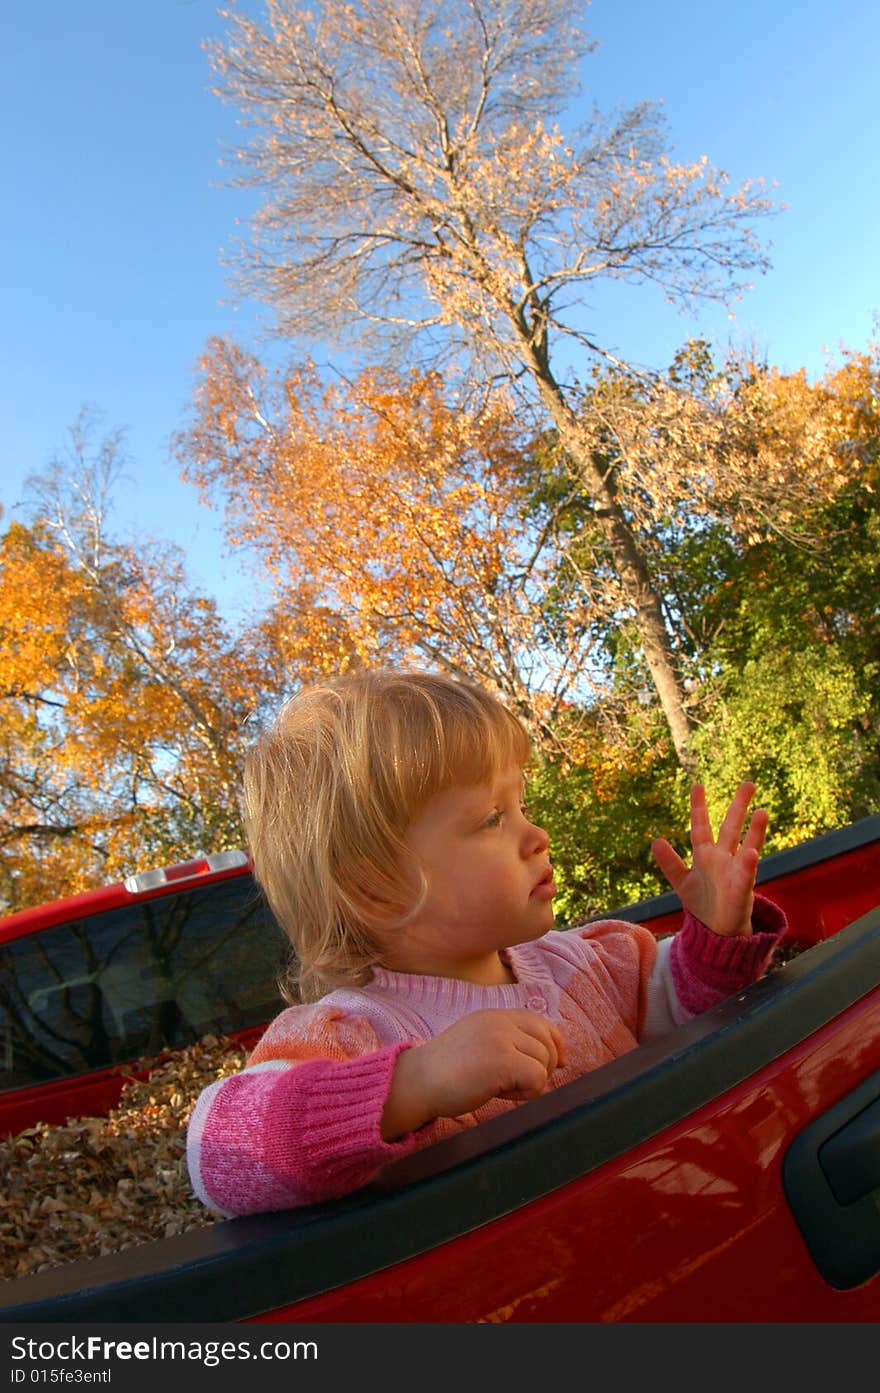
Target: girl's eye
x: 494, y: 818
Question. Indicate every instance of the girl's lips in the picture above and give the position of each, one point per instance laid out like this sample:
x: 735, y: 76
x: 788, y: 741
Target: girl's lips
x: 545, y: 888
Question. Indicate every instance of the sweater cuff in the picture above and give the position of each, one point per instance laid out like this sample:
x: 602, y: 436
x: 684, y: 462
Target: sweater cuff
x: 335, y: 1111
x: 707, y: 967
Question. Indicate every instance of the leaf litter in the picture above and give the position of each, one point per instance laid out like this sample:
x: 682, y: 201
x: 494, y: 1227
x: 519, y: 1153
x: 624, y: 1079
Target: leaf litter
x: 97, y: 1185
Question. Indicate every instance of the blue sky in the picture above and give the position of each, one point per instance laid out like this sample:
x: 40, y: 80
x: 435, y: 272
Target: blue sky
x: 116, y: 213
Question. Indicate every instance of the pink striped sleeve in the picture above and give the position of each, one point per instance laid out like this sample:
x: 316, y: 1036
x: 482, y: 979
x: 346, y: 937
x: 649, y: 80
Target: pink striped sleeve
x: 301, y: 1122
x: 707, y: 967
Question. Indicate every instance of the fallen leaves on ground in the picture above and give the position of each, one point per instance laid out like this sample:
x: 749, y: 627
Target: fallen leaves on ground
x: 96, y: 1185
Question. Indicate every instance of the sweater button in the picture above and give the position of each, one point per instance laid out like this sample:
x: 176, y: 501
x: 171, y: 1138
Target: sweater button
x: 536, y: 1003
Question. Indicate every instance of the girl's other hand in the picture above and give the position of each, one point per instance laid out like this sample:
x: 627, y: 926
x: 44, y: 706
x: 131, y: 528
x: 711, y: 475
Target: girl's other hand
x: 497, y: 1053
x: 719, y: 888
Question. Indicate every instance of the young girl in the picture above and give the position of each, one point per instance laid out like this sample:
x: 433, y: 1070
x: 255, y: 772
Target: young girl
x: 385, y: 818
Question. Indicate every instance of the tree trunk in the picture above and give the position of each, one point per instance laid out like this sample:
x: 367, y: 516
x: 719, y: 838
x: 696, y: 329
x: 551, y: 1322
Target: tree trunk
x: 629, y: 562
x: 654, y: 636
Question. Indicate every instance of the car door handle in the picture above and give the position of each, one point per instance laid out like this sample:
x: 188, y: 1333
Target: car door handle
x: 851, y: 1158
x: 831, y: 1176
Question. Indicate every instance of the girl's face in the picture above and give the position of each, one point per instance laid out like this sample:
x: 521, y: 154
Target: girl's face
x: 490, y: 884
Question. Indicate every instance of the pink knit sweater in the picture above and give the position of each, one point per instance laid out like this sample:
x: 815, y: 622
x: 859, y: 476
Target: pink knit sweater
x: 301, y: 1122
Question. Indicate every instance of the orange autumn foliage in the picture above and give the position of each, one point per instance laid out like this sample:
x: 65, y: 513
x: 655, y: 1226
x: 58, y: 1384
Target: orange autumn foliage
x: 124, y: 704
x: 390, y: 518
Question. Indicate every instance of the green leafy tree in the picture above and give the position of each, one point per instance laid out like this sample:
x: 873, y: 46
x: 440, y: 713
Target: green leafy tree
x: 793, y: 659
x: 772, y: 590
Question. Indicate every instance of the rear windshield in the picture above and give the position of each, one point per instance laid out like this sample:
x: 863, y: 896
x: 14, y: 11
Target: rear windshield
x: 130, y: 982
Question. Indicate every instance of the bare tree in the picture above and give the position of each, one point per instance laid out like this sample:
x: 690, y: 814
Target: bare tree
x: 420, y: 192
x: 72, y: 496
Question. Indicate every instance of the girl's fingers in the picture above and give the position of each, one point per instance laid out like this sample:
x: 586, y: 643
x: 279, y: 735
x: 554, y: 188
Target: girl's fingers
x: 754, y: 838
x: 731, y: 828
x: 539, y: 1047
x: 669, y: 862
x: 701, y: 827
x: 728, y: 843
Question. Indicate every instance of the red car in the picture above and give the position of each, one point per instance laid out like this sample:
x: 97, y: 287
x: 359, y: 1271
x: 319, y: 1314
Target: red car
x: 729, y: 1173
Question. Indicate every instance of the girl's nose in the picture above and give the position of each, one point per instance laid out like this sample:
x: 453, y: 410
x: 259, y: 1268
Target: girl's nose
x: 536, y: 838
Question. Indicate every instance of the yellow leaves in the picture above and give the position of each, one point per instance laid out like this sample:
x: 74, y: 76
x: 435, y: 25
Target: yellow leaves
x: 40, y: 593
x: 799, y: 442
x: 124, y: 702
x: 748, y: 444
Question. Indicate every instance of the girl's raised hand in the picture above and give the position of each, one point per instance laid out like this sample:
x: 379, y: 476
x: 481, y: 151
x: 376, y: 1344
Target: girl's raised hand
x: 719, y: 888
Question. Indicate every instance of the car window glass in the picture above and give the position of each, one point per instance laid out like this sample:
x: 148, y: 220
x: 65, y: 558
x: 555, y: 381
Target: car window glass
x: 132, y: 981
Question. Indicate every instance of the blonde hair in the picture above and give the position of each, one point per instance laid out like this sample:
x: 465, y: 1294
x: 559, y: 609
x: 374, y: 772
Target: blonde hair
x: 329, y: 791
